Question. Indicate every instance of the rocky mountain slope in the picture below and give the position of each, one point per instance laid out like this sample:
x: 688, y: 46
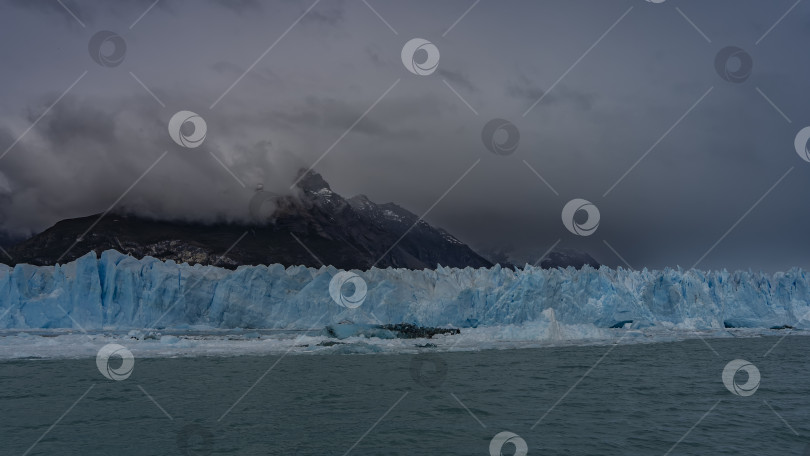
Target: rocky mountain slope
x: 317, y: 227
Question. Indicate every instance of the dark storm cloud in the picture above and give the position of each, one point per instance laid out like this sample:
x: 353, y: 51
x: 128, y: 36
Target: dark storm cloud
x: 93, y: 13
x: 262, y: 76
x: 526, y: 93
x: 456, y: 78
x: 43, y: 6
x: 86, y: 153
x: 629, y: 93
x: 329, y: 113
x: 529, y: 94
x: 375, y: 57
x: 331, y: 13
x: 241, y: 6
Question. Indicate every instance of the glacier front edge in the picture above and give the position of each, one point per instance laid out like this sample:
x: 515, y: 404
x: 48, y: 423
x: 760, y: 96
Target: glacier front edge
x: 119, y: 292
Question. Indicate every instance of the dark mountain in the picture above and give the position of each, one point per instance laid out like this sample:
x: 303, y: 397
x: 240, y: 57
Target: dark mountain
x: 563, y: 258
x: 318, y: 226
x: 7, y: 241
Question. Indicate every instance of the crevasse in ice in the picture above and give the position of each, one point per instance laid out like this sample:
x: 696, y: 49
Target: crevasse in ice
x: 116, y: 291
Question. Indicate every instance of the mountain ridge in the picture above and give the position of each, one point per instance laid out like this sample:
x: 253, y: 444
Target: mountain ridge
x: 316, y: 227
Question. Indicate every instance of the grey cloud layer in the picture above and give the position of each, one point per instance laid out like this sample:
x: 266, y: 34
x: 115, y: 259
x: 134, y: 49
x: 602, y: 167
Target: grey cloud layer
x: 591, y: 128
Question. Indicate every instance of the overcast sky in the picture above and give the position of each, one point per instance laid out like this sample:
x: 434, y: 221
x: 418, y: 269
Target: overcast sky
x: 619, y: 80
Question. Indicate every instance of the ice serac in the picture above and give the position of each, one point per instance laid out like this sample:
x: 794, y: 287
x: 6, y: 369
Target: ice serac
x: 119, y: 292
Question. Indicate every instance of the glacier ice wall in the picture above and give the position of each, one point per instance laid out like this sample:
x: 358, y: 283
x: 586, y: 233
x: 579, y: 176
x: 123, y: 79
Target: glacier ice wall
x: 116, y: 291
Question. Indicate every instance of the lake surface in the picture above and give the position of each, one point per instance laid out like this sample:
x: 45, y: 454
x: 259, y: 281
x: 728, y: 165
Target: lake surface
x: 640, y: 399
